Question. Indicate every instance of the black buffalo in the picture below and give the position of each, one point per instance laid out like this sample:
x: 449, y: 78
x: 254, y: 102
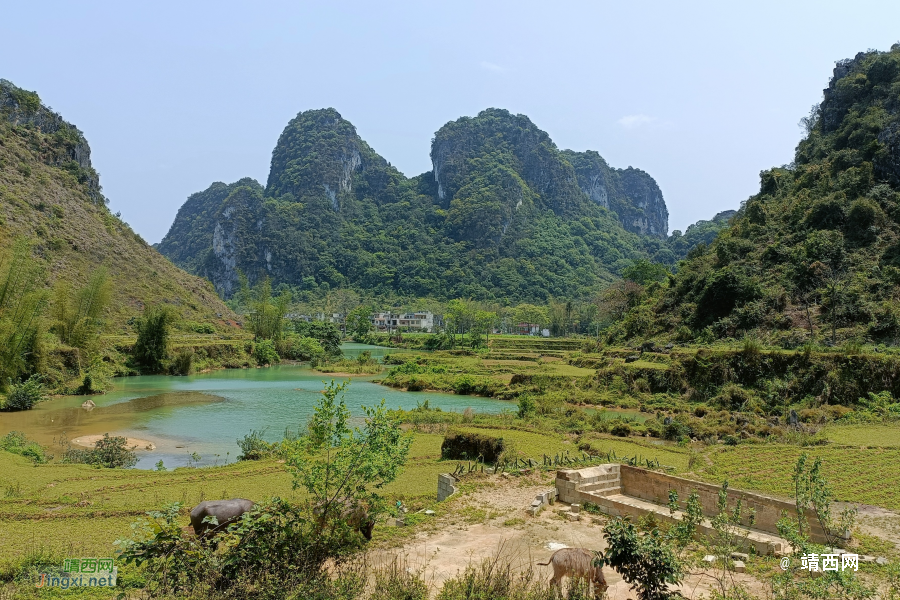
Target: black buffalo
x: 352, y: 512
x: 225, y: 512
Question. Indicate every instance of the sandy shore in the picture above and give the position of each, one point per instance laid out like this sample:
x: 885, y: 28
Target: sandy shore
x: 343, y: 374
x: 88, y: 441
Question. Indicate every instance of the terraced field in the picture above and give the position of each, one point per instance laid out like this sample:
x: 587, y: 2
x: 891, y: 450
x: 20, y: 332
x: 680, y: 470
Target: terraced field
x: 870, y: 475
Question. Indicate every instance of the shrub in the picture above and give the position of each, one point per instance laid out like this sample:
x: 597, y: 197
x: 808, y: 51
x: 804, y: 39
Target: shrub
x: 462, y: 445
x: 621, y: 429
x: 17, y: 443
x: 23, y: 396
x: 152, y: 345
x: 526, y: 407
x: 276, y: 547
x: 265, y: 353
x: 732, y: 397
x: 296, y: 347
x: 183, y: 363
x: 202, y: 328
x: 647, y: 562
x: 110, y: 452
x: 464, y: 384
x: 96, y: 380
x: 253, y: 446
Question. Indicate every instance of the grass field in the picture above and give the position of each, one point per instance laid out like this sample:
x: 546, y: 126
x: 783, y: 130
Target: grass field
x: 865, y: 435
x: 59, y: 507
x: 869, y: 476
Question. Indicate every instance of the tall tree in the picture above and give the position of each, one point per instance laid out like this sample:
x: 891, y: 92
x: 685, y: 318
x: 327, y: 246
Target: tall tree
x: 152, y: 346
x: 267, y: 312
x: 22, y: 305
x: 78, y: 313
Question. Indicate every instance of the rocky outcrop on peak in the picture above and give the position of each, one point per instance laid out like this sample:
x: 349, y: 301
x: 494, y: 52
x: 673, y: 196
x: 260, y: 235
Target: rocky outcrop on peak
x: 631, y: 194
x: 495, y: 135
x: 858, y: 85
x: 70, y: 151
x: 319, y: 154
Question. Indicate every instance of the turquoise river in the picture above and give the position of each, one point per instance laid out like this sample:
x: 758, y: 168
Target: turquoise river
x: 204, y: 415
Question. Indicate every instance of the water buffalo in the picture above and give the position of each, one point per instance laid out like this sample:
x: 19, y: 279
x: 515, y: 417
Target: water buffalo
x: 225, y: 512
x: 352, y: 512
x: 576, y: 563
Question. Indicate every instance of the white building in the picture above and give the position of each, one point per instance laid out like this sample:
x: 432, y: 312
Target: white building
x: 411, y: 321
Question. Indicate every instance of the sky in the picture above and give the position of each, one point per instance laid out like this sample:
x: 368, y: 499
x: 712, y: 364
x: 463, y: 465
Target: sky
x: 173, y: 96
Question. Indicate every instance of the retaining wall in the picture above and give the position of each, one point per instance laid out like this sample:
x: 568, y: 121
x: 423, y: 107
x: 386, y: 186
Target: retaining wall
x: 446, y: 486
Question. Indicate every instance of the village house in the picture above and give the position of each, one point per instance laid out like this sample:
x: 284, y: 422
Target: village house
x: 410, y: 321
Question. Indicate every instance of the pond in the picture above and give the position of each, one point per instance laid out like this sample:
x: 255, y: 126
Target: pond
x: 206, y: 413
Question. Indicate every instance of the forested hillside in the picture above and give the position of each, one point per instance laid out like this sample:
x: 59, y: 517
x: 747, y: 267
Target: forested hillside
x: 51, y: 201
x: 815, y: 255
x: 504, y: 214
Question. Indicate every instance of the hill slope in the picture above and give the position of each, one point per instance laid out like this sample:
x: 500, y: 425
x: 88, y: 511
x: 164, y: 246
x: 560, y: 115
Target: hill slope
x: 816, y: 253
x: 502, y: 215
x: 50, y: 194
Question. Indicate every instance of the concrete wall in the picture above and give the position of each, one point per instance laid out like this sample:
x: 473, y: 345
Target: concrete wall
x: 446, y: 486
x: 577, y: 486
x: 655, y: 486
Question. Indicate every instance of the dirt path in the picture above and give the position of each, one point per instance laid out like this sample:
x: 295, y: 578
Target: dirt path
x: 491, y: 521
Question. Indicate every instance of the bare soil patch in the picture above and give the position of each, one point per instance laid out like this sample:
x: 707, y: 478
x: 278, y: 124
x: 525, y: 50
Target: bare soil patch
x: 490, y: 521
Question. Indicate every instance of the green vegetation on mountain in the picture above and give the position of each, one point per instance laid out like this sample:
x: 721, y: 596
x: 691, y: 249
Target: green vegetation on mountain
x: 64, y: 257
x: 815, y: 255
x: 503, y: 215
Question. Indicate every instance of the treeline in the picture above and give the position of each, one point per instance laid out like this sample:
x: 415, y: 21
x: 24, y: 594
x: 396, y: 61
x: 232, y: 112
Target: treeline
x: 48, y: 338
x: 277, y: 337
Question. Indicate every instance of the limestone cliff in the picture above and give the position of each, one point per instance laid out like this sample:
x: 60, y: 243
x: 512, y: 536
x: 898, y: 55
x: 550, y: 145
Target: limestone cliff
x: 631, y: 194
x: 501, y: 215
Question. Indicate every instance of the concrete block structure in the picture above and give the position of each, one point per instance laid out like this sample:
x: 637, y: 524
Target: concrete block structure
x: 446, y: 486
x: 619, y: 490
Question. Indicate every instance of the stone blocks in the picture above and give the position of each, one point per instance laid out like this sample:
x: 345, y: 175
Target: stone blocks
x: 446, y: 486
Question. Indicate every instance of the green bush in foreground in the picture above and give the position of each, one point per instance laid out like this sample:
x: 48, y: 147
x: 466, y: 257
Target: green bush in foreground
x: 17, y: 443
x: 646, y: 561
x: 23, y: 396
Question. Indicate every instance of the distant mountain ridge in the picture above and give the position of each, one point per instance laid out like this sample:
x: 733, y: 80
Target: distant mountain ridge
x: 51, y: 195
x: 503, y: 214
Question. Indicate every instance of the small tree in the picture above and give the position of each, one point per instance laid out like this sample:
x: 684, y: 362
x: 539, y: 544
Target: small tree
x: 338, y: 463
x: 267, y: 312
x: 358, y: 324
x: 78, y: 314
x: 22, y: 304
x: 152, y: 346
x: 646, y: 562
x: 729, y: 537
x: 813, y: 493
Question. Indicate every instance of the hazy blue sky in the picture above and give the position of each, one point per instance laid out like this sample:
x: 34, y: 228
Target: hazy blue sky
x: 173, y: 96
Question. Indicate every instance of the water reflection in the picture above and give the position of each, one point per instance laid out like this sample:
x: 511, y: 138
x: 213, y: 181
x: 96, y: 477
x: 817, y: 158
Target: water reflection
x: 207, y: 413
